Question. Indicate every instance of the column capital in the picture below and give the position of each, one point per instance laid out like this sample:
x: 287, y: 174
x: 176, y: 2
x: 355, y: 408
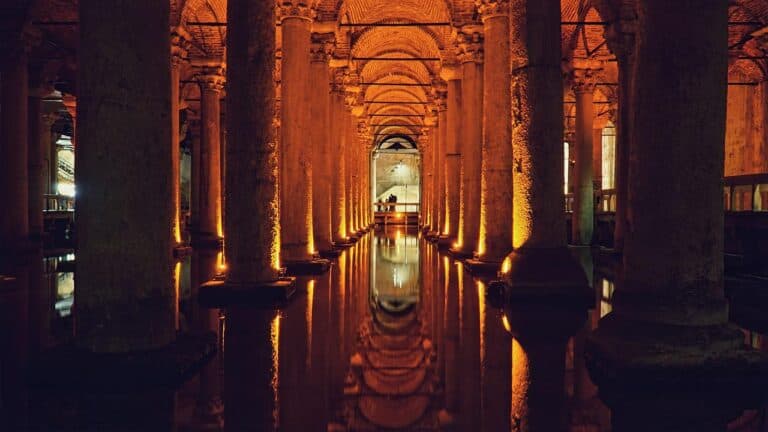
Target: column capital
x: 212, y: 78
x: 70, y: 103
x: 295, y: 9
x: 489, y: 9
x: 180, y: 43
x: 470, y: 45
x: 450, y: 72
x: 583, y: 74
x: 322, y: 47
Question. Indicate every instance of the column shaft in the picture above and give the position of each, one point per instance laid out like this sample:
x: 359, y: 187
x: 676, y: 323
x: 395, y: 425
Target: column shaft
x: 582, y: 223
x: 440, y: 151
x: 496, y: 181
x: 174, y: 142
x: 39, y: 137
x: 14, y: 180
x: 210, y: 225
x: 338, y: 186
x: 125, y: 297
x: 320, y: 141
x: 471, y: 153
x: 251, y: 216
x: 453, y: 159
x: 295, y: 155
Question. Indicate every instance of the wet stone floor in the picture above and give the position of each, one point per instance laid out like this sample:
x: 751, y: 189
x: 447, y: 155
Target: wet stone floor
x: 397, y: 336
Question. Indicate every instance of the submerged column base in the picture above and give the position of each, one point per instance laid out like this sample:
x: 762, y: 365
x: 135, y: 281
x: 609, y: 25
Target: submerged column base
x: 665, y: 377
x: 478, y: 267
x: 206, y: 241
x: 314, y: 266
x: 182, y: 250
x: 220, y: 293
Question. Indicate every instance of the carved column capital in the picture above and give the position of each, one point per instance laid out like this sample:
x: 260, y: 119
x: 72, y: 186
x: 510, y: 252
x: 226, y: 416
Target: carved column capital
x: 583, y: 75
x: 180, y: 43
x: 322, y: 47
x: 492, y: 9
x: 212, y: 78
x: 470, y: 47
x: 294, y: 9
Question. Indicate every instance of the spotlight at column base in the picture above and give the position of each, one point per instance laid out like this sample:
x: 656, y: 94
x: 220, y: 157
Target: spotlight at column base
x: 316, y: 266
x: 668, y: 377
x: 460, y: 254
x: 168, y: 366
x: 217, y: 293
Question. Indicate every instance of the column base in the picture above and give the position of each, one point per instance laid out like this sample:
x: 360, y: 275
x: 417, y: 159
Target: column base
x: 220, y: 293
x: 169, y: 366
x: 551, y: 276
x: 478, y: 267
x: 666, y: 377
x: 182, y: 250
x: 343, y: 244
x: 331, y: 253
x: 310, y: 267
x: 444, y: 242
x: 460, y: 254
x: 206, y: 241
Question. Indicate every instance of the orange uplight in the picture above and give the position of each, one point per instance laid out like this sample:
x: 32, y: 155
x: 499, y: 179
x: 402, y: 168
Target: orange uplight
x: 505, y: 322
x: 506, y: 265
x: 221, y: 264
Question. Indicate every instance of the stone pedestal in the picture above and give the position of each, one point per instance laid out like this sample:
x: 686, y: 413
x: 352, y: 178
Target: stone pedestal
x: 668, y: 333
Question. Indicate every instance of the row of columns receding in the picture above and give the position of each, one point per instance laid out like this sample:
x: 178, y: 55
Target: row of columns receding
x: 506, y: 204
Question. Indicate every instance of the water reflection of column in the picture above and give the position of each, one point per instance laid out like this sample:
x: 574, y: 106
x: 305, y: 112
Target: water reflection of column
x: 451, y: 342
x: 337, y: 357
x: 469, y: 347
x: 14, y: 344
x: 251, y: 370
x: 538, y: 399
x: 322, y: 339
x: 495, y: 367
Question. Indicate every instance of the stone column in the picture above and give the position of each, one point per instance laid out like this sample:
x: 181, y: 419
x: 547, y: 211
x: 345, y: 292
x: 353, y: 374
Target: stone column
x: 194, y: 127
x: 440, y: 150
x: 295, y: 155
x: 125, y: 296
x: 251, y: 216
x: 210, y: 225
x: 39, y: 143
x: 14, y: 179
x: 426, y: 147
x: 452, y: 75
x: 622, y: 36
x: 320, y: 134
x: 471, y: 58
x: 597, y: 158
x: 582, y: 224
x: 544, y: 307
x: 350, y: 128
x: 338, y: 166
x: 179, y: 43
x: 495, y: 241
x: 669, y: 332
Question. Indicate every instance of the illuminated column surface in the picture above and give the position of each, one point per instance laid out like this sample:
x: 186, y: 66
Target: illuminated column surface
x: 426, y: 146
x: 338, y: 166
x: 14, y: 181
x: 251, y: 216
x: 39, y: 143
x: 452, y: 74
x: 295, y: 155
x: 669, y: 332
x: 439, y: 172
x: 470, y: 146
x: 125, y: 295
x: 582, y: 222
x: 495, y: 240
x: 320, y: 140
x: 210, y: 223
x: 179, y: 43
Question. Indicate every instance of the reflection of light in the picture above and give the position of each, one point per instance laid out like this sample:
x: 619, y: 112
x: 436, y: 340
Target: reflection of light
x: 274, y: 333
x: 176, y: 291
x: 506, y: 265
x: 481, y: 312
x: 505, y: 321
x: 310, y: 303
